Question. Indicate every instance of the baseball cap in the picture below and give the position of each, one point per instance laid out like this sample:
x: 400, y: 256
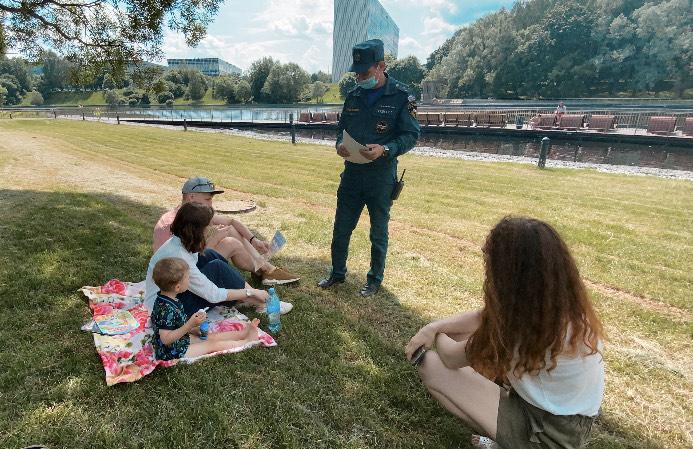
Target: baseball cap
x: 366, y: 54
x: 200, y: 184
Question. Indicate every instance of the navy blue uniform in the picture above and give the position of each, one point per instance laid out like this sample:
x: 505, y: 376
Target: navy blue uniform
x: 384, y: 116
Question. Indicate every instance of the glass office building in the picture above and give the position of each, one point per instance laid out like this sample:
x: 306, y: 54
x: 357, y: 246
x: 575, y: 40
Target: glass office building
x: 357, y: 21
x: 208, y: 66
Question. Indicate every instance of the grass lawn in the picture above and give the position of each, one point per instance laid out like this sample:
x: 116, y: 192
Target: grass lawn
x: 79, y: 201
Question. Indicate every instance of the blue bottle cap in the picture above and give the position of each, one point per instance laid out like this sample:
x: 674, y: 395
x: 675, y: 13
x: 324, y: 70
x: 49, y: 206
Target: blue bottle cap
x: 271, y: 290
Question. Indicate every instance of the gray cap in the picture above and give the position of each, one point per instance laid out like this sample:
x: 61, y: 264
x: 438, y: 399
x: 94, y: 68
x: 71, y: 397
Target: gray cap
x: 200, y: 184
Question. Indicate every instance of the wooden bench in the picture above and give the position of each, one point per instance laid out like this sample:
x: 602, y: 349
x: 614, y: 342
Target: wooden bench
x: 572, y: 121
x: 318, y: 117
x: 661, y: 124
x: 602, y: 122
x: 489, y: 120
x: 304, y: 117
x: 434, y: 119
x: 331, y: 117
x: 687, y: 129
x: 422, y: 118
x: 458, y: 119
x: 543, y: 121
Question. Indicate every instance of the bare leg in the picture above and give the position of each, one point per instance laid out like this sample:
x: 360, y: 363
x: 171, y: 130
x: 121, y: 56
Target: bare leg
x: 248, y: 332
x: 241, y: 252
x: 201, y: 347
x: 463, y: 392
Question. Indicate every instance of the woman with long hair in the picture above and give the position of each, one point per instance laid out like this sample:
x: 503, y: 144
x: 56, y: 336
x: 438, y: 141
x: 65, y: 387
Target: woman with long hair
x: 212, y: 280
x: 537, y: 334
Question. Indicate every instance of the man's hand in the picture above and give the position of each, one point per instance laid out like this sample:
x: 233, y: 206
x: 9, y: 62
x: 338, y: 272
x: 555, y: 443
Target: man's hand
x: 342, y: 150
x: 261, y: 246
x: 373, y: 151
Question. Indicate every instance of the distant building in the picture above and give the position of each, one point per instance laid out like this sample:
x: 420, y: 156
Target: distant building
x: 357, y: 21
x: 208, y: 66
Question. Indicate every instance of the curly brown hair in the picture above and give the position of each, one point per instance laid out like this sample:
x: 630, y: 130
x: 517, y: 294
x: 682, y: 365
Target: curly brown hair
x: 535, y: 302
x: 189, y: 225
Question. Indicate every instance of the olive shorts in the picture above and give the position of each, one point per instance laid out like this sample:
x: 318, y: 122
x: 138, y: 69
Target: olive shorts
x: 524, y: 426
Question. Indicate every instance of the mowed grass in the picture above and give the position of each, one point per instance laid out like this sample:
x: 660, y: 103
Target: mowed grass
x: 338, y: 378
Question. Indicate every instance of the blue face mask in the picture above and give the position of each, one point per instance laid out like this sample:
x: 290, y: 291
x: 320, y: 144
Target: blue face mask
x: 368, y: 83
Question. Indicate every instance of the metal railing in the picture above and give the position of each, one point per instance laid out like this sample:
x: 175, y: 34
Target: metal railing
x: 625, y: 119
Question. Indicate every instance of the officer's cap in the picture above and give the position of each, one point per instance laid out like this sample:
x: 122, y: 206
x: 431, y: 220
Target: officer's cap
x: 366, y: 54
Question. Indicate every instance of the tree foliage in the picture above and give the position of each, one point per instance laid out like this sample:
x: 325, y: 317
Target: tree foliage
x: 347, y: 83
x: 570, y: 48
x: 409, y: 71
x: 197, y: 86
x: 101, y: 34
x: 285, y: 83
x: 257, y: 76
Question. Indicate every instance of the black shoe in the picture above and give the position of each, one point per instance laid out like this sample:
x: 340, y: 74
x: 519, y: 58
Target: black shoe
x: 369, y: 289
x: 330, y: 281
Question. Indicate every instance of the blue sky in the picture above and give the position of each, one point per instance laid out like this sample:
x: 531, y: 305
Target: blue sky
x: 301, y: 30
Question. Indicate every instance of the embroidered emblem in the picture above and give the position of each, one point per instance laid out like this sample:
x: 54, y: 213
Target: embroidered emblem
x: 357, y: 57
x: 382, y: 127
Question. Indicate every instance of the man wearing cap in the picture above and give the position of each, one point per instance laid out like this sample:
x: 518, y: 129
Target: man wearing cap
x: 379, y: 113
x: 227, y: 236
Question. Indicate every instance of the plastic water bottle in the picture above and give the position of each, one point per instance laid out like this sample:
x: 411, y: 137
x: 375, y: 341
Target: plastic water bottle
x: 204, y: 330
x: 273, y: 311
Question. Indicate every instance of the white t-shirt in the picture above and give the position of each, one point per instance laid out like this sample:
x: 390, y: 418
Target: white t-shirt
x: 199, y: 283
x: 574, y: 387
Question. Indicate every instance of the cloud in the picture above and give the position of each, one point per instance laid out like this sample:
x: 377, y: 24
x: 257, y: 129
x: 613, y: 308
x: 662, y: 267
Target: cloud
x: 437, y: 25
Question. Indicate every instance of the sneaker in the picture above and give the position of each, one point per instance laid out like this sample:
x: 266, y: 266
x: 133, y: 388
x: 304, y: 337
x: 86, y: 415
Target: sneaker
x: 279, y: 276
x: 284, y: 308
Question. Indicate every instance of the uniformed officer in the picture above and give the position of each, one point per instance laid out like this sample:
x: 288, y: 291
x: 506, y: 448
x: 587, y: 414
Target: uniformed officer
x: 379, y: 113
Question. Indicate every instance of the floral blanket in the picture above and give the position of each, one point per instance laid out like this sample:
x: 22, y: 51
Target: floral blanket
x: 129, y: 357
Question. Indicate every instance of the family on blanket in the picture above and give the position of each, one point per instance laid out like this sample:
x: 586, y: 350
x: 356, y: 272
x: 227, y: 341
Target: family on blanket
x: 524, y: 370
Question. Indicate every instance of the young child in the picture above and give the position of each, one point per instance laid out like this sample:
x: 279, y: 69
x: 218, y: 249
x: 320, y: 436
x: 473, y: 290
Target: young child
x: 175, y: 336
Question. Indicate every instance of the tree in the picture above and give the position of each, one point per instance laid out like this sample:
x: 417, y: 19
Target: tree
x: 20, y: 70
x: 243, y: 91
x: 55, y: 72
x: 111, y: 97
x: 321, y: 76
x: 197, y: 87
x: 159, y: 86
x: 409, y: 71
x: 318, y: 90
x: 35, y: 98
x: 225, y: 88
x: 285, y: 83
x: 101, y: 34
x: 3, y: 95
x: 257, y: 76
x: 13, y: 93
x: 347, y: 83
x: 108, y: 82
x: 163, y: 97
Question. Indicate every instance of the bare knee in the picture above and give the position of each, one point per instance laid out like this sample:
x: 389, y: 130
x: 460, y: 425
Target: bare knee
x: 430, y: 368
x: 229, y: 246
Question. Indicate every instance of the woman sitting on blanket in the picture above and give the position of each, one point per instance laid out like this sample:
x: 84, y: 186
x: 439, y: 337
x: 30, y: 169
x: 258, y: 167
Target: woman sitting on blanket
x: 212, y: 280
x: 176, y: 335
x: 537, y: 333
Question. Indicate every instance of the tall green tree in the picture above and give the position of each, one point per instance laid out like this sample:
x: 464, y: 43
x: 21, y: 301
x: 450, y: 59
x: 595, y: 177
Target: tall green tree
x: 197, y: 86
x: 257, y: 76
x: 347, y: 83
x: 285, y: 83
x: 56, y: 72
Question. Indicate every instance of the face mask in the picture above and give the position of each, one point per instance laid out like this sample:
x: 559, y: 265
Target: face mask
x: 368, y: 83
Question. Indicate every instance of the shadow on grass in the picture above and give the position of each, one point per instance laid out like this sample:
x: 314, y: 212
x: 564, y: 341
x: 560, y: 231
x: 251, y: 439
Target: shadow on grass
x: 338, y: 378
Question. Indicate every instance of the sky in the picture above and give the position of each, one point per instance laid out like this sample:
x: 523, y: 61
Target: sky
x: 300, y: 31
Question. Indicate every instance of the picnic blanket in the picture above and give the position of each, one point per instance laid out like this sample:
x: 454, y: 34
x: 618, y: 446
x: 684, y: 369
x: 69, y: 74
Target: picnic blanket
x: 129, y: 356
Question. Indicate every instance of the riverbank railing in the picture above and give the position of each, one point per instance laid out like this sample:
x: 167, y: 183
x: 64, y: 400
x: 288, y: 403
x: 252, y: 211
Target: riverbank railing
x: 627, y: 120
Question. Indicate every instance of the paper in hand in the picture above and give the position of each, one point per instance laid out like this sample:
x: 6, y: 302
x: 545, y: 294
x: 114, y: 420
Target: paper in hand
x: 353, y: 148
